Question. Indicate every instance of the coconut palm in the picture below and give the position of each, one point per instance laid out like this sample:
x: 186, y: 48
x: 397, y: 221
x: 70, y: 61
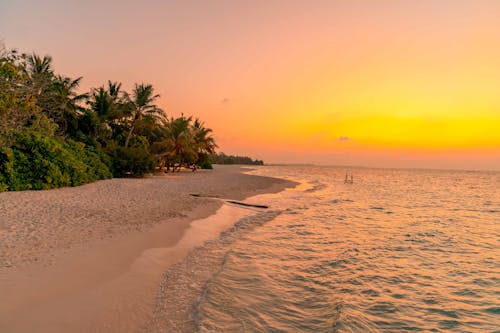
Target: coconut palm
x: 40, y: 72
x: 177, y: 147
x: 204, y: 142
x: 63, y: 104
x: 109, y: 106
x: 100, y: 102
x: 108, y: 102
x: 56, y: 95
x: 38, y: 65
x: 143, y: 108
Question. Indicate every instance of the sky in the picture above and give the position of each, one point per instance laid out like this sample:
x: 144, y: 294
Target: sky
x: 387, y: 83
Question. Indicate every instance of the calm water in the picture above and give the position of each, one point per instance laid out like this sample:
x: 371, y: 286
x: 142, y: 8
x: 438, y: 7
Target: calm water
x: 397, y: 251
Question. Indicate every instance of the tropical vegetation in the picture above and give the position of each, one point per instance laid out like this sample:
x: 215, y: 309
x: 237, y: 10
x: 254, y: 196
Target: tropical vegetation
x: 52, y: 135
x: 222, y: 158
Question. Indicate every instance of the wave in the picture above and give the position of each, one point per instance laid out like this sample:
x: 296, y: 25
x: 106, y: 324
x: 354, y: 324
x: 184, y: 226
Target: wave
x: 186, y: 283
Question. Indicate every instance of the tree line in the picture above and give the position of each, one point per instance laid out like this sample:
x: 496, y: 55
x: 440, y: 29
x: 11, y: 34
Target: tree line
x: 222, y: 158
x: 51, y: 135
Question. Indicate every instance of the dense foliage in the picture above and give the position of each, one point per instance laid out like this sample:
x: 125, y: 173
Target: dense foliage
x: 52, y: 136
x: 222, y: 158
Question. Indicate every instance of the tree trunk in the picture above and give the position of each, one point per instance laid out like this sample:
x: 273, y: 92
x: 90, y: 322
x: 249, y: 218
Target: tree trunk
x: 129, y: 134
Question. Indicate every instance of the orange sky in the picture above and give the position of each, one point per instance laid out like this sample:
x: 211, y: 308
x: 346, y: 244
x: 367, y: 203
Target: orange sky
x: 378, y: 83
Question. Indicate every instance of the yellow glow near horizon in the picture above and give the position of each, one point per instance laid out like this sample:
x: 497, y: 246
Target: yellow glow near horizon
x: 387, y: 105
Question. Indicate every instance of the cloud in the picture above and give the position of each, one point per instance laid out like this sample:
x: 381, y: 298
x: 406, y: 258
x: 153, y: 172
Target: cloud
x: 225, y: 100
x: 344, y: 138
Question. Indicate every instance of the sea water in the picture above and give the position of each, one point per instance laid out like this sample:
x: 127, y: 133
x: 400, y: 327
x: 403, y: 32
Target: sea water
x: 396, y: 251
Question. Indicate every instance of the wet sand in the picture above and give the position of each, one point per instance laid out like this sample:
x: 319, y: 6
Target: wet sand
x: 91, y: 258
x: 184, y: 284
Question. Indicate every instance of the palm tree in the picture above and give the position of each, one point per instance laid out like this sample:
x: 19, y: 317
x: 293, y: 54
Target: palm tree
x: 204, y: 142
x: 109, y: 105
x: 38, y: 65
x: 177, y: 146
x: 100, y: 102
x: 40, y: 72
x: 106, y: 102
x: 56, y: 95
x: 63, y: 104
x: 143, y: 108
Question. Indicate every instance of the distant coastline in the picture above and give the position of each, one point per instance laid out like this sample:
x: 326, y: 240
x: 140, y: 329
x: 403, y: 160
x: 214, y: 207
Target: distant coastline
x: 378, y: 167
x: 222, y: 158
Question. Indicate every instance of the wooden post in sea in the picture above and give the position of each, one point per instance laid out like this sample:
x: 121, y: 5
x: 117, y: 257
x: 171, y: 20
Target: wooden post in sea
x: 347, y: 180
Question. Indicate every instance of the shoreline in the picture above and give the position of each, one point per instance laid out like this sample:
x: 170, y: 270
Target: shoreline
x: 177, y: 307
x: 58, y: 219
x: 123, y: 259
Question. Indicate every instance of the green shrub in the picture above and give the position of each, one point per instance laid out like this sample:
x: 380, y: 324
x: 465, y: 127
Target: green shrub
x: 38, y: 162
x: 6, y: 168
x: 205, y: 165
x: 135, y: 161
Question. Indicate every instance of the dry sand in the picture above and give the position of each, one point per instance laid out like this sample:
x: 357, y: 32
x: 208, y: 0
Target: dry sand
x: 91, y: 258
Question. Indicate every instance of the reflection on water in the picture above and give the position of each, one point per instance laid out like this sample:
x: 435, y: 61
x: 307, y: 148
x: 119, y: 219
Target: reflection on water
x: 398, y: 250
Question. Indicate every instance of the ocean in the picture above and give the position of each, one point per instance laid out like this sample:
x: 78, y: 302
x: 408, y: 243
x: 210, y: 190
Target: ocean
x: 395, y: 251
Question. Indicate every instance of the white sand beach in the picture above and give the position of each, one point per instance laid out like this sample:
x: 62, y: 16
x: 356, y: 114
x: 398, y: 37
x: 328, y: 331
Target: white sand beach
x: 91, y: 258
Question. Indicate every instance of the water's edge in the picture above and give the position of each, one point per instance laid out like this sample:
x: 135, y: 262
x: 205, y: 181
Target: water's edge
x: 395, y: 251
x: 184, y: 285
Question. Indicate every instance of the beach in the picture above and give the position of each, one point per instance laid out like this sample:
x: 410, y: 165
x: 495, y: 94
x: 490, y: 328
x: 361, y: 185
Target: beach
x: 93, y: 258
x: 242, y: 166
x: 172, y: 253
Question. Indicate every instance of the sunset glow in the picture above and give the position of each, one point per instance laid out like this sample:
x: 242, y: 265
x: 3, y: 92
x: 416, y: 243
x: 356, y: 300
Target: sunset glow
x: 375, y: 83
x: 249, y: 166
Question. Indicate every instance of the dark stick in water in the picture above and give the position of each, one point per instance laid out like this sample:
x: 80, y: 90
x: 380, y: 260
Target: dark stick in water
x: 246, y: 204
x: 230, y: 201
